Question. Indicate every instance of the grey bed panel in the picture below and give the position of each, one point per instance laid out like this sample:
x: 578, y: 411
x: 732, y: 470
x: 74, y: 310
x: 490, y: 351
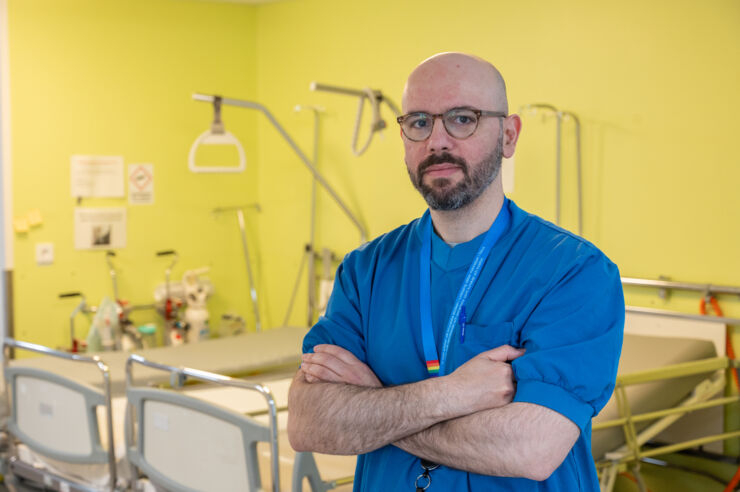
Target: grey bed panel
x: 639, y: 353
x: 251, y: 432
x: 93, y: 398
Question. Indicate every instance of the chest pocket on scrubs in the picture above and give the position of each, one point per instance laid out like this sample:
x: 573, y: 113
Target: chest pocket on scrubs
x: 479, y: 338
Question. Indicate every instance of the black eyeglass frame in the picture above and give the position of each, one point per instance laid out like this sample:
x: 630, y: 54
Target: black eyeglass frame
x: 478, y: 113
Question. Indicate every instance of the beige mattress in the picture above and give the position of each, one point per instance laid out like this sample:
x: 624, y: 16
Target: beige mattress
x: 252, y: 353
x: 641, y: 353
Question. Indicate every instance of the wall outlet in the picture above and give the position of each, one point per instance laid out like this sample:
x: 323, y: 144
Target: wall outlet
x: 44, y: 253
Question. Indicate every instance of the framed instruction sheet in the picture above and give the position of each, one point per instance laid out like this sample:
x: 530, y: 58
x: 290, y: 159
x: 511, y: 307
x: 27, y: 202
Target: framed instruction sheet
x: 100, y: 228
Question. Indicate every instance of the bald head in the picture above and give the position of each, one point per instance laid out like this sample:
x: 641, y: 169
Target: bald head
x: 455, y: 76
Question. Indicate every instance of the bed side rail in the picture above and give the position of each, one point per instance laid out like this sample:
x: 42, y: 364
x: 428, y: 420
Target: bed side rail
x: 18, y: 379
x: 250, y: 431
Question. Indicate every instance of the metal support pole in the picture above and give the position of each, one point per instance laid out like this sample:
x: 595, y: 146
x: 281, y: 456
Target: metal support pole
x: 252, y: 289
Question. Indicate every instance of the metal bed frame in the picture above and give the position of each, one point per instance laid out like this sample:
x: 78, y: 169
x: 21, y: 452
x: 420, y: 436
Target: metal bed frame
x: 93, y: 398
x: 631, y: 453
x: 251, y: 431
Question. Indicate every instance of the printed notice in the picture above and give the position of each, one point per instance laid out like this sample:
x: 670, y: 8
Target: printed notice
x: 97, y: 176
x: 141, y: 184
x: 100, y: 228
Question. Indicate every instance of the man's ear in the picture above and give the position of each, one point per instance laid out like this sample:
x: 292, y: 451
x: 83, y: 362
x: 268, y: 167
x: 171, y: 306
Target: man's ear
x: 512, y: 129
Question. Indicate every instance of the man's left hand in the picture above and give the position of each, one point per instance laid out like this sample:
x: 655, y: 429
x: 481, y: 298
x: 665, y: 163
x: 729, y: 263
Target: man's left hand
x: 333, y: 364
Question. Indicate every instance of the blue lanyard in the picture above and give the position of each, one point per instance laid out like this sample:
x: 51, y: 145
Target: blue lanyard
x: 436, y: 365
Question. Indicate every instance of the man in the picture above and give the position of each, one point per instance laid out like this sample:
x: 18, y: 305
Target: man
x: 469, y: 349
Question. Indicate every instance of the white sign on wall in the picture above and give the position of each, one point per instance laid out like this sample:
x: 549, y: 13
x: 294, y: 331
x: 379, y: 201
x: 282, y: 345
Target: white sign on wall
x: 100, y: 228
x: 96, y: 176
x: 141, y: 184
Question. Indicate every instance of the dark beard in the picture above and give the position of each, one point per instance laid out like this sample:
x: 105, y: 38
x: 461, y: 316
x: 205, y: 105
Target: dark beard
x: 440, y: 194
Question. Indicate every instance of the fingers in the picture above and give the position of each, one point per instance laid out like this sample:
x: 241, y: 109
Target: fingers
x: 503, y: 353
x: 336, y: 351
x: 318, y: 372
x: 333, y: 364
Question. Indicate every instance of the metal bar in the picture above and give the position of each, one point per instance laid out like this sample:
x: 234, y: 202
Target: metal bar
x: 315, y: 86
x: 688, y: 444
x: 310, y: 247
x: 10, y: 311
x: 252, y: 105
x: 255, y: 206
x: 675, y: 371
x: 295, y: 289
x: 343, y: 481
x: 312, y: 237
x: 558, y: 164
x: 667, y: 284
x: 696, y: 317
x: 40, y: 349
x: 112, y: 272
x: 577, y: 121
x: 630, y: 433
x: 669, y: 411
x: 252, y: 288
x: 224, y: 381
x: 558, y: 149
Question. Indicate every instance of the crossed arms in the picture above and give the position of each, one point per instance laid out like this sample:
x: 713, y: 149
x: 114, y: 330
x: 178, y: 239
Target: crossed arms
x: 465, y: 420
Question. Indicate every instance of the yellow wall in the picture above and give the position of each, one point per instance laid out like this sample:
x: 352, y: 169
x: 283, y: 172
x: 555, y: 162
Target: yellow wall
x: 653, y: 82
x: 110, y: 77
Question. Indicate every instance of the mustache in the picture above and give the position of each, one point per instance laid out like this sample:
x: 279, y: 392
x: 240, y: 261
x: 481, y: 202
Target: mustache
x: 444, y: 157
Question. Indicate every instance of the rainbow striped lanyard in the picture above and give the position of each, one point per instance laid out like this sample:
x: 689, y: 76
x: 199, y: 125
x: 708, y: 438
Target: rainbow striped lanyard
x: 435, y: 364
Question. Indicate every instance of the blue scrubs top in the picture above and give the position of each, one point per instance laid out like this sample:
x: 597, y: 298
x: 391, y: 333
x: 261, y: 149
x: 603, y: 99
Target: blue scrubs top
x: 542, y: 288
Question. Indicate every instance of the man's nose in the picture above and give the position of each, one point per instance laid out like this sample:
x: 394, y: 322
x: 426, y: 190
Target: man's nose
x: 439, y: 139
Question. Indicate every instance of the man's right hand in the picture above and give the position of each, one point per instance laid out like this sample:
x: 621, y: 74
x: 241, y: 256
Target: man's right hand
x: 485, y: 381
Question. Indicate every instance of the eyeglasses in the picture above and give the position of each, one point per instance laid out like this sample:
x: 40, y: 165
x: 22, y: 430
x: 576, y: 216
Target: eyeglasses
x: 460, y: 123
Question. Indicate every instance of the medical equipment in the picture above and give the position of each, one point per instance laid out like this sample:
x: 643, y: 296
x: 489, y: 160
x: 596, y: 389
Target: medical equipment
x: 128, y: 336
x: 168, y: 305
x: 105, y: 329
x: 310, y: 247
x: 75, y: 345
x: 216, y: 135
x: 635, y: 411
x: 375, y: 98
x: 311, y: 167
x: 561, y: 116
x: 247, y: 262
x: 172, y: 437
x: 58, y: 418
x: 311, y: 255
x: 162, y: 414
x: 196, y: 314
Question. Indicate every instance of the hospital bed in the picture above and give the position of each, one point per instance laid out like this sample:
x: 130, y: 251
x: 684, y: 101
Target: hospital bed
x: 201, y: 408
x: 656, y: 373
x: 661, y: 381
x: 223, y: 412
x: 242, y: 355
x: 67, y: 421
